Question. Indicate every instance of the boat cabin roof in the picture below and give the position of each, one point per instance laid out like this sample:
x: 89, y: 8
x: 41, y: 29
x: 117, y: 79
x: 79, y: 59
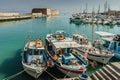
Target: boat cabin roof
x: 104, y: 34
x: 108, y: 39
x: 60, y: 32
x: 67, y: 44
x: 35, y: 45
x: 51, y: 38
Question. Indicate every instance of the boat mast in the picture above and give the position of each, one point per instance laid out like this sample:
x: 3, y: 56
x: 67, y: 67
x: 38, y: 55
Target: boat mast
x: 86, y: 10
x: 93, y: 25
x: 105, y: 7
x: 99, y: 9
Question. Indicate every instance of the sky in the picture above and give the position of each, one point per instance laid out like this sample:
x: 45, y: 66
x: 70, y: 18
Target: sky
x: 64, y: 6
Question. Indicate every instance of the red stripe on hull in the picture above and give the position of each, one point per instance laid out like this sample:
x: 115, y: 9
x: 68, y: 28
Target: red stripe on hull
x: 72, y: 71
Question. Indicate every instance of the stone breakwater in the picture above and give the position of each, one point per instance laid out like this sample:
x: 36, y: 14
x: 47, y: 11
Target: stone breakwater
x: 15, y: 17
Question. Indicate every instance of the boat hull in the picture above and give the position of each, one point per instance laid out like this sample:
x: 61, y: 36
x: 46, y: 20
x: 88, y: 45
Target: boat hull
x: 98, y: 57
x: 68, y: 72
x: 117, y: 55
x: 31, y: 72
x: 101, y: 59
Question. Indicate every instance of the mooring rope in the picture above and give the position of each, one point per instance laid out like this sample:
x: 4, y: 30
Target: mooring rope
x: 67, y: 74
x: 15, y: 75
x: 51, y: 75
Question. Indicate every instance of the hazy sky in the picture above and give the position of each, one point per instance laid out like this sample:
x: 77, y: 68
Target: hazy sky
x: 25, y: 6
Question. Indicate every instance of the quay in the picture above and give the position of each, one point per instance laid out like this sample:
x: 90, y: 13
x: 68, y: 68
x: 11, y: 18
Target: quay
x: 15, y: 17
x: 75, y: 78
x: 108, y: 72
x: 36, y: 12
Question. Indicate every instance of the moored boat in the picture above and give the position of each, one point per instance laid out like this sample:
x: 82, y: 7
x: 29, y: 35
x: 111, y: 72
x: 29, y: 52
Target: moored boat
x: 95, y: 54
x: 34, y: 59
x: 60, y: 49
x: 111, y: 42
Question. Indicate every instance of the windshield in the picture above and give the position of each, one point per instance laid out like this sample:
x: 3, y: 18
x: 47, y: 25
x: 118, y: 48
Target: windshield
x: 35, y: 52
x: 106, y: 44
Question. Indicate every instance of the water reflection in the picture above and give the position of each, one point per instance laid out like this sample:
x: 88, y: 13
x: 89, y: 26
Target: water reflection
x: 8, y: 23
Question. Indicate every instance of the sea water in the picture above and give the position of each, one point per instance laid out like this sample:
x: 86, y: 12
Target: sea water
x: 13, y: 36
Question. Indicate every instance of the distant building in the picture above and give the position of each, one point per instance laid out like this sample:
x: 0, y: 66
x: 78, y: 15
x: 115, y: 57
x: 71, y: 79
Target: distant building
x: 44, y: 12
x: 54, y: 12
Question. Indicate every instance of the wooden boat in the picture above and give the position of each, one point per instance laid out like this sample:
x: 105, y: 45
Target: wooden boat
x: 63, y: 54
x: 95, y: 54
x: 34, y: 58
x: 111, y: 42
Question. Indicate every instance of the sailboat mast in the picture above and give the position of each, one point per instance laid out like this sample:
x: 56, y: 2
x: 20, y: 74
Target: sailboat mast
x: 93, y: 25
x: 99, y: 9
x: 86, y: 10
x: 105, y: 7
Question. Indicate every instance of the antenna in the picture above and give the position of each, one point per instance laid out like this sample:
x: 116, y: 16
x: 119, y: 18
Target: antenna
x: 99, y: 9
x: 105, y: 6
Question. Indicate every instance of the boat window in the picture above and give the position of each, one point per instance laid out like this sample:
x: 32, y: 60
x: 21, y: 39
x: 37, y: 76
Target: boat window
x: 30, y: 51
x: 118, y: 47
x: 41, y: 52
x: 112, y: 46
x: 118, y: 44
x: 106, y: 44
x: 115, y: 45
x: 36, y: 51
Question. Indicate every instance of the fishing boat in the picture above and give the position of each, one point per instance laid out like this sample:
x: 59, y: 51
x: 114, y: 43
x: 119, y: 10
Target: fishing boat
x: 95, y: 54
x: 60, y: 49
x: 111, y: 42
x: 34, y: 58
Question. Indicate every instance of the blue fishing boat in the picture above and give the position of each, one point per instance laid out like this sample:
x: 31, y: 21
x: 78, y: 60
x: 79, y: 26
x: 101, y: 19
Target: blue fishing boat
x: 34, y: 59
x: 111, y: 42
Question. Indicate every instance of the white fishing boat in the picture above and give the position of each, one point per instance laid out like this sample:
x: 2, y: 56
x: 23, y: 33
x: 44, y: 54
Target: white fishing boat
x: 99, y: 21
x: 75, y: 19
x: 34, y: 58
x: 95, y: 54
x: 60, y: 49
x: 105, y: 22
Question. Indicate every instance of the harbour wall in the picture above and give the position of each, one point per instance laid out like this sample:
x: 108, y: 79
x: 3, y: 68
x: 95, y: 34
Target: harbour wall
x: 14, y: 16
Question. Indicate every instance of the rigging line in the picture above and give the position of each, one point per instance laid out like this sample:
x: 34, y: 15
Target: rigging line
x: 15, y: 75
x: 51, y: 75
x: 67, y: 74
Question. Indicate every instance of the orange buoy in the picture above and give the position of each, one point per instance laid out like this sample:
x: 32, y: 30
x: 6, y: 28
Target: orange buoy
x: 55, y: 57
x: 85, y: 55
x: 39, y: 44
x: 60, y: 52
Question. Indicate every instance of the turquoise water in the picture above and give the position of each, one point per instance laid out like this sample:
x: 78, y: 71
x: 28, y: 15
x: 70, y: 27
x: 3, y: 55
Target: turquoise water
x: 13, y: 35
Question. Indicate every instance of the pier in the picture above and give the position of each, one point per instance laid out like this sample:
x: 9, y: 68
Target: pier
x: 108, y: 72
x: 15, y: 17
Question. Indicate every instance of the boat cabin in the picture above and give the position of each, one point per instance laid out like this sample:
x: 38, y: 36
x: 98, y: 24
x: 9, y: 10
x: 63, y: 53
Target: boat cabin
x: 110, y: 41
x: 81, y: 39
x: 63, y: 50
x: 34, y: 52
x: 112, y: 44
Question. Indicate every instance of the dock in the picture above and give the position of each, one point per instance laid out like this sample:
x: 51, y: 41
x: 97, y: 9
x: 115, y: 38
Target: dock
x: 75, y: 78
x: 16, y: 17
x: 108, y: 72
